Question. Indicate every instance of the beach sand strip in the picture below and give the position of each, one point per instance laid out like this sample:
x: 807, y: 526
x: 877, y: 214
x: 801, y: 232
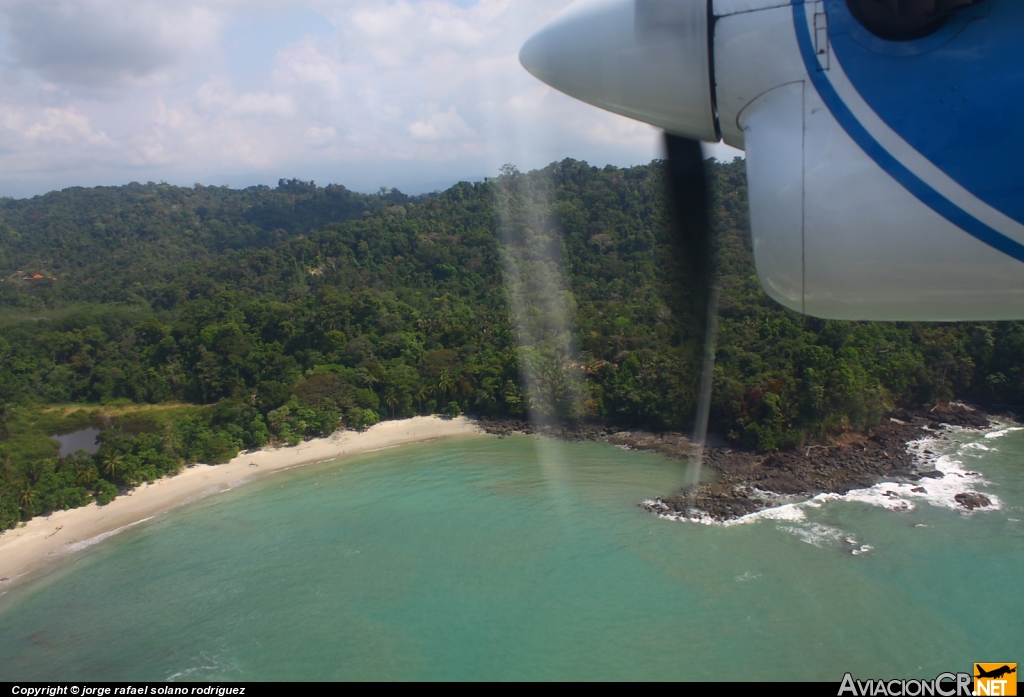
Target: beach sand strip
x: 43, y: 540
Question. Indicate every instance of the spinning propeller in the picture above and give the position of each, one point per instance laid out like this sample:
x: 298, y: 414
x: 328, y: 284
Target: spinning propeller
x: 858, y: 118
x: 650, y: 60
x: 689, y: 204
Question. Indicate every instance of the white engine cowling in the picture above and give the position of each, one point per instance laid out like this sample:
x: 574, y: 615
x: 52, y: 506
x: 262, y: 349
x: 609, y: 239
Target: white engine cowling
x: 835, y: 233
x: 864, y: 202
x: 646, y: 59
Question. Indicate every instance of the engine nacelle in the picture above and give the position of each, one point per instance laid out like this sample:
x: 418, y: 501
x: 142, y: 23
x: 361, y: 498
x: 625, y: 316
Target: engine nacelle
x: 883, y: 141
x: 875, y: 181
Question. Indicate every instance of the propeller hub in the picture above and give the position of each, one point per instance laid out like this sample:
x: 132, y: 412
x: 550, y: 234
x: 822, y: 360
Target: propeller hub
x: 646, y: 59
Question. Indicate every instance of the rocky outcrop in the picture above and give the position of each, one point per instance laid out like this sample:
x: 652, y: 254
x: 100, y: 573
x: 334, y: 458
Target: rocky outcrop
x: 745, y: 481
x: 971, y: 500
x: 953, y: 414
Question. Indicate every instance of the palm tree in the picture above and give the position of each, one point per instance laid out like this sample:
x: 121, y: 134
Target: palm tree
x: 391, y: 400
x: 28, y: 496
x: 444, y: 384
x: 87, y: 476
x: 422, y: 395
x: 113, y: 464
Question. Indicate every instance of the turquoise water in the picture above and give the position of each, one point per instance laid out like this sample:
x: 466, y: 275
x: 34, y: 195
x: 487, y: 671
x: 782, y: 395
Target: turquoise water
x: 519, y: 558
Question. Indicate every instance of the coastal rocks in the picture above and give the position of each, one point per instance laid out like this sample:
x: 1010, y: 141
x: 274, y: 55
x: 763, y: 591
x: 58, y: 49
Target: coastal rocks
x: 747, y: 482
x: 706, y: 501
x: 836, y: 469
x: 568, y: 432
x: 669, y: 443
x: 505, y: 427
x: 971, y: 500
x: 944, y: 415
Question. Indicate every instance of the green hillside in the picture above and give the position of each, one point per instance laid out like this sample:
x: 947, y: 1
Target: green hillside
x: 275, y: 313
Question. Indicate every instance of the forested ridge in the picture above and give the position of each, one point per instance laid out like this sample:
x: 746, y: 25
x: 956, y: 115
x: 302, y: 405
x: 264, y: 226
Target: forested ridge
x: 249, y: 316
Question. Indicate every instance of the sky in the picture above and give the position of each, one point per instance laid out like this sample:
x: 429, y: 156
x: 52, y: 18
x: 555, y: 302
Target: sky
x: 364, y: 93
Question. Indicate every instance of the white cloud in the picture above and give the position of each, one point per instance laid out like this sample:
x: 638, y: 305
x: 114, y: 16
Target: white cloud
x: 362, y: 92
x: 63, y: 126
x: 103, y: 43
x: 320, y: 136
x: 441, y: 125
x: 218, y: 98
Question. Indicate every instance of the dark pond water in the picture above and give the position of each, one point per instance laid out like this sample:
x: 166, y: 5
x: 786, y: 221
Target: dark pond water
x: 83, y: 439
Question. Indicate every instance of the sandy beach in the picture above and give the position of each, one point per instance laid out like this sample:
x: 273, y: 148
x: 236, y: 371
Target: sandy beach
x: 47, y: 539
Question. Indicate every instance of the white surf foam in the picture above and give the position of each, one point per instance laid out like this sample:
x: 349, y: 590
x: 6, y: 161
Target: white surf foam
x: 816, y: 534
x: 791, y: 512
x: 902, y: 497
x: 933, y: 452
x: 78, y: 546
x: 662, y: 510
x: 827, y: 536
x: 1003, y: 431
x: 205, y: 664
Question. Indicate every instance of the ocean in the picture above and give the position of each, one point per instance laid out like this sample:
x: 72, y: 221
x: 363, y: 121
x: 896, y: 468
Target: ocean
x: 524, y: 558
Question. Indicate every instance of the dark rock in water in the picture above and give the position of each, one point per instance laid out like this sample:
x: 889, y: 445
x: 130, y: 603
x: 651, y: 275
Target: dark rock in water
x: 919, y: 490
x: 856, y: 462
x: 718, y: 501
x: 971, y: 500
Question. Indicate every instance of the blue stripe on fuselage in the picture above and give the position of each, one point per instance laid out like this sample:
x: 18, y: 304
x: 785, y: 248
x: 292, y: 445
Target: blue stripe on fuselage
x: 925, y: 193
x: 956, y: 96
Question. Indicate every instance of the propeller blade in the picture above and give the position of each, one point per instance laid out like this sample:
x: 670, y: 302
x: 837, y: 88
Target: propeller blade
x: 689, y: 203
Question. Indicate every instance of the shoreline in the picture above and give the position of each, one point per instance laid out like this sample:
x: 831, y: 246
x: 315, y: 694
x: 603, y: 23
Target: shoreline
x: 893, y: 456
x: 747, y: 485
x: 44, y: 540
x: 896, y: 465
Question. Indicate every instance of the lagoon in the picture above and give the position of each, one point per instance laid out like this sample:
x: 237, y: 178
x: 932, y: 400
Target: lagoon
x: 82, y: 439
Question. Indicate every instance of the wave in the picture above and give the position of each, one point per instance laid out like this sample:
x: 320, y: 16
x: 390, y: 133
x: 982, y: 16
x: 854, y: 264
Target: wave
x: 1004, y: 431
x: 900, y: 497
x: 78, y: 546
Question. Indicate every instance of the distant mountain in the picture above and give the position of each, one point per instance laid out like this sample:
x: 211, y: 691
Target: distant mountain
x: 119, y: 244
